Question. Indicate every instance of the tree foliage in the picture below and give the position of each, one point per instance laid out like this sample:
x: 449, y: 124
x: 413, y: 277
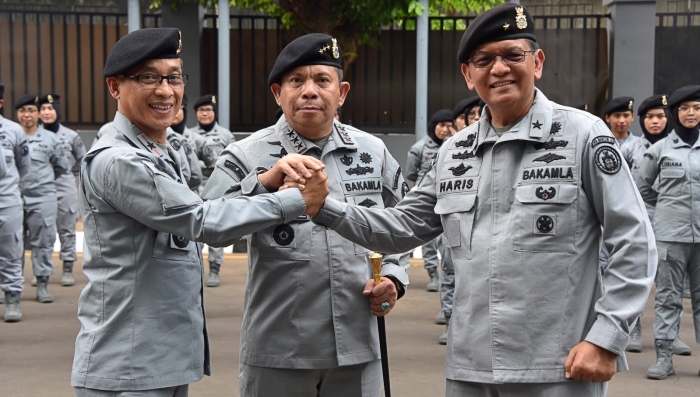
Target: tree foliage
x: 352, y: 22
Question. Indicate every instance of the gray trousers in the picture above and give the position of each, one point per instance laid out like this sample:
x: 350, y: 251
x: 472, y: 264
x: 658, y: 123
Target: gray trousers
x: 177, y: 391
x: 11, y: 252
x: 674, y: 260
x: 216, y: 257
x: 361, y: 380
x: 572, y: 388
x: 40, y: 235
x: 430, y: 256
x: 66, y: 218
x: 447, y: 282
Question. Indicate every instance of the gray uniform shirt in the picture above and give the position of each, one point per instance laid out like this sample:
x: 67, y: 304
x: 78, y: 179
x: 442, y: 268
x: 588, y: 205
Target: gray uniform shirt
x: 676, y: 166
x: 74, y: 150
x: 215, y: 141
x: 310, y: 273
x: 141, y: 314
x: 188, y: 155
x: 48, y: 163
x: 633, y: 153
x: 522, y: 216
x: 420, y: 156
x: 13, y: 143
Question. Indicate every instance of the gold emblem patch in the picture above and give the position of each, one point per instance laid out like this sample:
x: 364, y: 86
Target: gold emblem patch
x: 50, y: 98
x: 36, y: 99
x: 336, y: 50
x: 213, y: 99
x: 179, y: 43
x: 631, y: 105
x: 520, y: 20
x: 663, y: 100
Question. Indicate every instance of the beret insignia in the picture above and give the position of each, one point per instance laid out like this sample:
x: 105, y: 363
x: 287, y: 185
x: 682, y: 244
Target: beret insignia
x: 663, y: 100
x: 179, y: 43
x: 520, y: 20
x: 336, y: 52
x: 213, y: 99
x: 50, y: 98
x: 36, y: 99
x: 630, y: 105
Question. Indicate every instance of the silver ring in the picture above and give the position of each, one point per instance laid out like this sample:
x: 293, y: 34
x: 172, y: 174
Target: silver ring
x: 385, y: 306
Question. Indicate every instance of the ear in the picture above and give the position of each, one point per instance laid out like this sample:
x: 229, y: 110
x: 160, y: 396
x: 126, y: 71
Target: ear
x: 276, y: 92
x: 539, y: 64
x: 467, y: 76
x: 2, y: 103
x: 113, y: 85
x: 607, y: 118
x: 344, y: 89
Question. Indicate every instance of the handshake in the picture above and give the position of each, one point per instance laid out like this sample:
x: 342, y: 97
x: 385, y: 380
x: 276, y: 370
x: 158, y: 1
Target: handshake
x: 302, y: 172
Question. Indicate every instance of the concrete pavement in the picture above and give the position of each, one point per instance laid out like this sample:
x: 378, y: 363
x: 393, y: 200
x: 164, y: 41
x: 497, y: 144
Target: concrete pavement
x: 36, y: 354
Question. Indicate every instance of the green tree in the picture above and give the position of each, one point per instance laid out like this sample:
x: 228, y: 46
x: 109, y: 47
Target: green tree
x: 352, y: 22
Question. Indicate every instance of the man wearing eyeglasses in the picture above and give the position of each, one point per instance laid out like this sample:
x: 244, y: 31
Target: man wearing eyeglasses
x: 39, y: 192
x: 142, y: 316
x: 521, y: 196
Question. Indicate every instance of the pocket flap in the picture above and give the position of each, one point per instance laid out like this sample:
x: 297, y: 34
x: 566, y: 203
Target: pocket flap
x: 546, y: 193
x: 455, y: 203
x: 672, y: 173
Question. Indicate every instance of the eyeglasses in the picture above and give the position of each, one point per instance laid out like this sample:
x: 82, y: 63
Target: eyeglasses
x: 485, y: 61
x: 174, y: 80
x: 684, y: 109
x: 205, y: 110
x: 29, y: 110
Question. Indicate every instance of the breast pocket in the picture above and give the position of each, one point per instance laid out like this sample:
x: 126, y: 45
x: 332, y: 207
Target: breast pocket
x: 175, y: 248
x: 671, y: 181
x: 545, y: 217
x: 457, y: 213
x: 287, y: 241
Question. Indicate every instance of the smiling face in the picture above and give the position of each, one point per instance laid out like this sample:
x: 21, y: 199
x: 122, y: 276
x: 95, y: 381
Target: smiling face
x: 28, y: 116
x: 689, y: 113
x: 206, y: 114
x: 309, y: 97
x: 48, y: 113
x: 655, y: 121
x: 508, y: 90
x: 152, y: 108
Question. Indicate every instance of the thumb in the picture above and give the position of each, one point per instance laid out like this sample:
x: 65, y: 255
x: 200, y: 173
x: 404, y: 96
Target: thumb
x: 569, y: 362
x: 368, y: 288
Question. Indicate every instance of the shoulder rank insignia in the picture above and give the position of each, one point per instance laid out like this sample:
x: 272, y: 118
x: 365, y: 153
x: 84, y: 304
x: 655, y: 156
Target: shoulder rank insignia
x: 346, y: 160
x: 367, y: 203
x: 520, y: 20
x: 549, y: 157
x: 537, y: 125
x: 344, y: 136
x: 460, y: 170
x: 556, y: 127
x: 359, y: 170
x: 545, y: 194
x: 464, y: 155
x: 365, y: 158
x: 148, y: 142
x: 295, y: 140
x: 467, y: 142
x: 551, y: 144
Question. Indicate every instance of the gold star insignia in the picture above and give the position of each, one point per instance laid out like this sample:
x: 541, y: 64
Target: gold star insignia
x: 506, y: 26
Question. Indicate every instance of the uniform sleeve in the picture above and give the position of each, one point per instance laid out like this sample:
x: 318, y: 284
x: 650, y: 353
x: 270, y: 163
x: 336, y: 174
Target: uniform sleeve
x: 413, y: 164
x: 628, y: 236
x: 59, y: 159
x: 78, y: 149
x: 409, y: 224
x: 184, y: 163
x: 22, y: 158
x: 232, y: 176
x: 133, y: 185
x: 647, y: 174
x: 3, y: 165
x: 195, y: 179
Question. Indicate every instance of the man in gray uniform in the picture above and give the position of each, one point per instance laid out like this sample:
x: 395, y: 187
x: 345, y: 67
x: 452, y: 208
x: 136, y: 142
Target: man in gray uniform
x: 39, y: 192
x: 419, y: 158
x: 326, y: 342
x: 521, y: 196
x: 216, y: 139
x: 66, y: 192
x: 142, y: 319
x: 13, y: 144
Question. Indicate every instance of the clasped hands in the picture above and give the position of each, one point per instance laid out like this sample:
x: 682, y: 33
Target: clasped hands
x: 302, y: 172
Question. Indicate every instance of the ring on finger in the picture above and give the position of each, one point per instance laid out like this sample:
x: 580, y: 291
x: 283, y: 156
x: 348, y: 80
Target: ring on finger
x: 385, y: 306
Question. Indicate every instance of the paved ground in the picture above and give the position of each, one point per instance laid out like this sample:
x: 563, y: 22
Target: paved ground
x: 36, y: 354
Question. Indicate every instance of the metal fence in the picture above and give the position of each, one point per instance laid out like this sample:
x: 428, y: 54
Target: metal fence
x: 63, y: 53
x: 382, y: 79
x: 676, y: 57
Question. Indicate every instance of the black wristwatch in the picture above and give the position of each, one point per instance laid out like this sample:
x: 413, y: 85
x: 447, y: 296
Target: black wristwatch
x: 399, y: 286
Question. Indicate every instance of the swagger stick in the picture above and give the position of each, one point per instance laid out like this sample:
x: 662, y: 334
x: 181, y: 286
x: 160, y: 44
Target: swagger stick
x: 376, y: 260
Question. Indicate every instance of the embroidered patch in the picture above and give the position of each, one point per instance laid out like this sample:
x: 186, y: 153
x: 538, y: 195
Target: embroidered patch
x: 178, y: 242
x: 466, y: 143
x: 603, y: 139
x: 404, y: 189
x: 675, y: 140
x: 550, y: 145
x: 396, y: 178
x: 24, y: 151
x: 549, y: 157
x: 367, y: 203
x: 347, y: 160
x: 464, y: 155
x: 537, y: 125
x: 556, y: 127
x: 187, y: 146
x: 235, y: 168
x: 359, y: 170
x: 283, y: 235
x: 649, y: 155
x: 546, y: 194
x: 608, y: 160
x: 282, y: 153
x: 545, y: 224
x: 460, y: 170
x: 175, y: 143
x: 365, y: 158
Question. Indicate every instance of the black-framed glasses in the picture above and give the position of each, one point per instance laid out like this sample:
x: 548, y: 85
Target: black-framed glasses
x: 485, y: 61
x: 174, y: 80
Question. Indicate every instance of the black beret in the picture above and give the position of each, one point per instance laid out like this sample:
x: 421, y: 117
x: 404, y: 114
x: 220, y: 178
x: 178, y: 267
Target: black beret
x: 27, y: 99
x: 464, y: 105
x: 49, y: 98
x: 140, y: 46
x: 311, y: 49
x: 506, y: 22
x: 2, y: 91
x: 583, y: 106
x: 684, y: 94
x: 206, y: 100
x: 653, y: 102
x: 619, y: 104
x: 440, y: 116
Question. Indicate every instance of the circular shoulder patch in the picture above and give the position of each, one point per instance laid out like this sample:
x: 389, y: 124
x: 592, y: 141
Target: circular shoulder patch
x: 24, y: 150
x: 175, y: 143
x: 608, y: 160
x: 283, y: 235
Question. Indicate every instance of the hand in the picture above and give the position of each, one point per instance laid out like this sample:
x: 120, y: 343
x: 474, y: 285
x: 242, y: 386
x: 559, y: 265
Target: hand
x: 294, y: 166
x: 385, y: 291
x: 590, y: 363
x: 288, y: 183
x: 314, y: 193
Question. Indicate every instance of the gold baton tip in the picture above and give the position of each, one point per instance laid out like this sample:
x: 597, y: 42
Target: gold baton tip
x: 376, y: 260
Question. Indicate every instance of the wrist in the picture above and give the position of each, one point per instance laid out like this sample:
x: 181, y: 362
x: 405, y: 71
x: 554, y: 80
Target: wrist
x: 400, y: 288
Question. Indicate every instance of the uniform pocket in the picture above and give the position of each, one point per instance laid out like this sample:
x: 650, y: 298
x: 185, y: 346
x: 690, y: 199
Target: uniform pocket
x: 546, y: 218
x: 168, y: 246
x: 457, y: 213
x: 671, y: 181
x: 286, y: 241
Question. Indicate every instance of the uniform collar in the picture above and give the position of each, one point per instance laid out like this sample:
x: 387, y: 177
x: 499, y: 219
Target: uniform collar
x: 138, y: 138
x: 293, y: 142
x: 38, y: 135
x: 677, y: 142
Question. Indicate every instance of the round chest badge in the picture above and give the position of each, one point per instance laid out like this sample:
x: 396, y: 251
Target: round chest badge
x: 545, y: 224
x: 180, y: 242
x: 608, y: 160
x: 283, y: 235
